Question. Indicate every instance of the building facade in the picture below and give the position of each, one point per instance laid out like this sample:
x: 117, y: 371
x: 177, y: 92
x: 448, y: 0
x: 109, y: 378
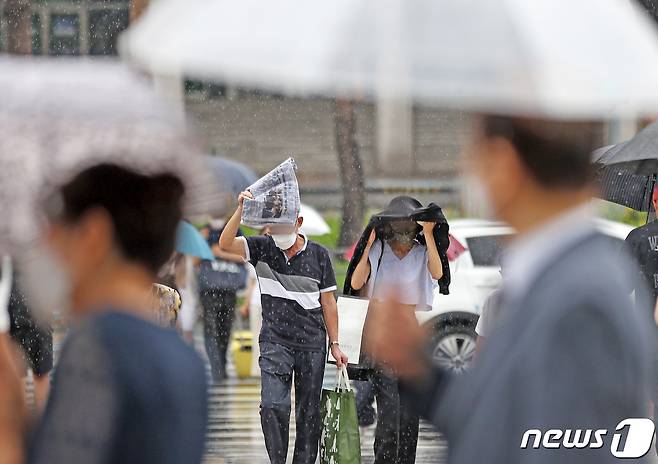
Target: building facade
x: 74, y: 27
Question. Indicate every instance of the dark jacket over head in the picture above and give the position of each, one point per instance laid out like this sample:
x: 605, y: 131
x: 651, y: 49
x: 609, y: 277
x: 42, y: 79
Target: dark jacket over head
x: 404, y: 208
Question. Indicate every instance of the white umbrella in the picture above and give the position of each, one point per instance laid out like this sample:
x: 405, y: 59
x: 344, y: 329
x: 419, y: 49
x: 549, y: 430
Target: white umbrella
x: 58, y: 117
x: 314, y: 223
x: 556, y: 58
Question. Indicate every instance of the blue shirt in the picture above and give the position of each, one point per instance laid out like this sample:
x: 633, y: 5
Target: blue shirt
x: 290, y: 292
x: 125, y: 391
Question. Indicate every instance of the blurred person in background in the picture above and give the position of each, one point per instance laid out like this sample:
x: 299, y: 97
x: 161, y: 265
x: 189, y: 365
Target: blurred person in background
x: 571, y: 352
x: 219, y: 282
x: 125, y: 390
x: 185, y: 277
x: 298, y: 286
x: 251, y: 308
x: 490, y: 316
x: 396, y: 253
x: 36, y: 344
x: 165, y: 303
x: 642, y: 245
x: 180, y: 274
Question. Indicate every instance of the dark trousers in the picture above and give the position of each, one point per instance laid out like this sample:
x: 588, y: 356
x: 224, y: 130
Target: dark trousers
x: 279, y: 367
x: 218, y: 315
x: 396, y: 435
x: 365, y: 396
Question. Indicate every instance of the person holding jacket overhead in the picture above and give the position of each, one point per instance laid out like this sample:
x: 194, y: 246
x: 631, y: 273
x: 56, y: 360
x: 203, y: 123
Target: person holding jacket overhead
x: 402, y: 253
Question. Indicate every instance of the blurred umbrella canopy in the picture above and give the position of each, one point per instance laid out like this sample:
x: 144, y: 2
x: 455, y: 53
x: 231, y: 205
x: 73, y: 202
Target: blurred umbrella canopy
x: 190, y: 242
x: 314, y: 223
x: 60, y: 116
x: 234, y: 177
x: 231, y: 178
x: 550, y: 58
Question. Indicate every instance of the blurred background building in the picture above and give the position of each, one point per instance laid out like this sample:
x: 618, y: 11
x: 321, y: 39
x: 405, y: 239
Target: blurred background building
x: 261, y: 129
x: 67, y: 27
x: 354, y: 154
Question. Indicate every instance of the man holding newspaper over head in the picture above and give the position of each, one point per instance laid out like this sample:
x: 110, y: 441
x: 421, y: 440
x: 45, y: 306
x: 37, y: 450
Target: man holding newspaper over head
x: 298, y: 287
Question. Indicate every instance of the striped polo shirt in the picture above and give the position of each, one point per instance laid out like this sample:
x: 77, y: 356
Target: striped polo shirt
x: 290, y: 292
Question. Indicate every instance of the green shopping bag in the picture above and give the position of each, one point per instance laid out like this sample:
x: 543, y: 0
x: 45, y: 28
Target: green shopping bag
x: 340, y: 443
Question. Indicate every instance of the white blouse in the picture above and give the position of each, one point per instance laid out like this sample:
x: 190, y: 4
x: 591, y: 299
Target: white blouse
x: 409, y: 276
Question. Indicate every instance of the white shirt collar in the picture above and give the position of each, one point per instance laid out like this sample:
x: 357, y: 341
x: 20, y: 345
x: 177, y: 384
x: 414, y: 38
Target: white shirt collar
x: 526, y: 255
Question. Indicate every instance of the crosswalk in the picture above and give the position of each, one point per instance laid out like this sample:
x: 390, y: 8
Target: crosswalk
x: 234, y: 435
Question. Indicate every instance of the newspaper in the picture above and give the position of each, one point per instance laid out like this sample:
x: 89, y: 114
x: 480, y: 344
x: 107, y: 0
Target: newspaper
x: 276, y: 198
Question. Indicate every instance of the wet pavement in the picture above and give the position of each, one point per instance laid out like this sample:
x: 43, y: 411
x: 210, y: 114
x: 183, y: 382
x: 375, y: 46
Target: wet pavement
x: 234, y: 434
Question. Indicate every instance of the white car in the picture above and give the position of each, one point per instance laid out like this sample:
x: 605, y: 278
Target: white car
x: 474, y: 253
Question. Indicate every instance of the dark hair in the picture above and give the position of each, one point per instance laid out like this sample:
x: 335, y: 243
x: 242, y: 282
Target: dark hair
x: 145, y: 210
x: 556, y: 153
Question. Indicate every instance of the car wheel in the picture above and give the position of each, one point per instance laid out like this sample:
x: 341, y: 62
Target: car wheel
x: 453, y: 346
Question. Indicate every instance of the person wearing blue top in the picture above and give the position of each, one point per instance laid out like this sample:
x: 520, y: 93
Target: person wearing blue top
x: 125, y: 390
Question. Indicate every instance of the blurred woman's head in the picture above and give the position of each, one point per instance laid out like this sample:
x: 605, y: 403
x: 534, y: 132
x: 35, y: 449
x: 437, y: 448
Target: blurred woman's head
x: 109, y: 220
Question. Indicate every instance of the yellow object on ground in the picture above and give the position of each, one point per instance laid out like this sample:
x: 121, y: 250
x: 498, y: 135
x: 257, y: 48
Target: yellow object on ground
x: 241, y: 347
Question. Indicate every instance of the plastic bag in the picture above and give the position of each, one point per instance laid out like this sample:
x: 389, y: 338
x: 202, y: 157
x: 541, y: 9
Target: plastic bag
x: 340, y: 442
x: 276, y: 198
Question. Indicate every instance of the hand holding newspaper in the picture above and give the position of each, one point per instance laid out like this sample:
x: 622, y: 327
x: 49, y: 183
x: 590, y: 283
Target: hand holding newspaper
x: 276, y: 198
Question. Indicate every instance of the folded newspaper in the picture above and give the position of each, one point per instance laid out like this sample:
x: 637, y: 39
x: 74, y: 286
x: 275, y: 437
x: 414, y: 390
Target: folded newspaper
x: 276, y: 198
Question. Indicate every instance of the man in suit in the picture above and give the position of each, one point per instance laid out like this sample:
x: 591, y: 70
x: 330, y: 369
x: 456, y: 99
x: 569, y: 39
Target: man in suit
x: 568, y: 361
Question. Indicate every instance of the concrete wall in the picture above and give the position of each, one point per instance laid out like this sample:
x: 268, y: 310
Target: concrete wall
x: 262, y: 131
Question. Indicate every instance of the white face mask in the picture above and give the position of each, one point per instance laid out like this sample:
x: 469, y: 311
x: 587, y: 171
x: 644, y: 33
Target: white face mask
x: 284, y: 241
x: 46, y: 283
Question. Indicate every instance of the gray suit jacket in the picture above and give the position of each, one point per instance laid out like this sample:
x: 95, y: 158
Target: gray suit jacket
x: 571, y: 354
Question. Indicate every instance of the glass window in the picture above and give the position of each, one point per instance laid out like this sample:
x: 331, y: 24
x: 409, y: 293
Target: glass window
x: 485, y: 250
x: 36, y: 34
x: 104, y: 28
x: 64, y: 34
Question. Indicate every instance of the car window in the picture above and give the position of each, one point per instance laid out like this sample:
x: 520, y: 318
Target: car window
x: 485, y: 250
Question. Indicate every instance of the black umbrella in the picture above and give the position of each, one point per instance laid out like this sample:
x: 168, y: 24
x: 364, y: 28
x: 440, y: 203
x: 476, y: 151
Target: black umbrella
x: 626, y: 172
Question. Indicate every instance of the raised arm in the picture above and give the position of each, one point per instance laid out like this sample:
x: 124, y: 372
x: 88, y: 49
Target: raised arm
x: 225, y: 255
x: 362, y: 269
x: 433, y: 258
x: 228, y: 242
